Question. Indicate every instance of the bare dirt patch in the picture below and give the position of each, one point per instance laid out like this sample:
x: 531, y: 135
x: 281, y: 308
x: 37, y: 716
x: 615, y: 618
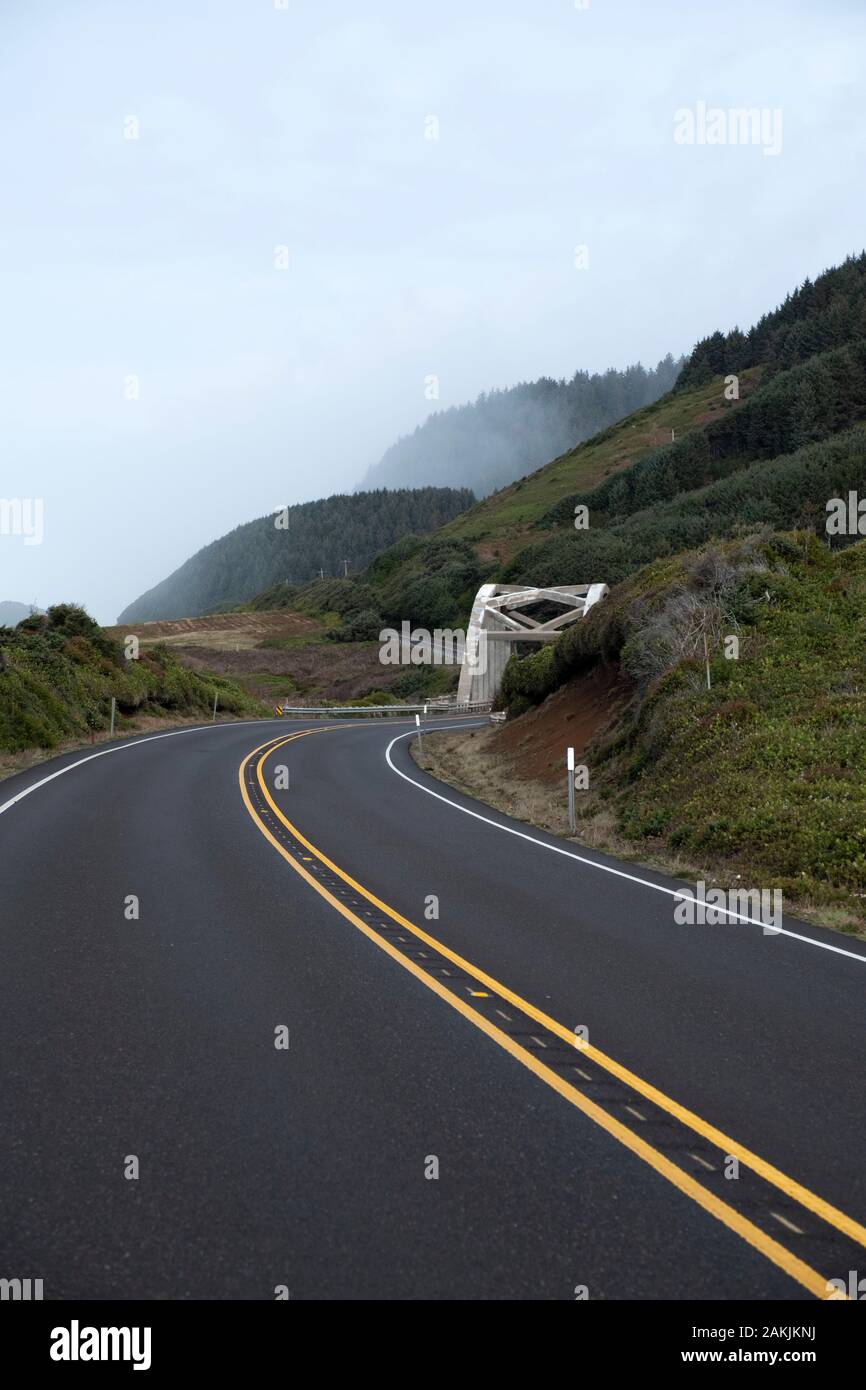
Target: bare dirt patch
x: 520, y: 767
x: 533, y: 747
x: 274, y: 654
x: 302, y: 673
x: 220, y: 631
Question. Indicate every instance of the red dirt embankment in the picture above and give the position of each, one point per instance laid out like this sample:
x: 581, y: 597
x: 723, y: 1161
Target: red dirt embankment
x: 519, y: 767
x: 532, y: 747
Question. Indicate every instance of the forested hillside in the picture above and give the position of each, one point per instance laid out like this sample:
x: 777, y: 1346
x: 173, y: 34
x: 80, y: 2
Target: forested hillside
x: 313, y: 536
x: 769, y: 456
x: 770, y: 463
x: 506, y: 434
x: 774, y: 458
x: 820, y: 315
x: 431, y: 580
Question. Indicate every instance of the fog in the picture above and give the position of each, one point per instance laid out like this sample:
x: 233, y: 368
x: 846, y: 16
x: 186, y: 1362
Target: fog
x: 239, y: 240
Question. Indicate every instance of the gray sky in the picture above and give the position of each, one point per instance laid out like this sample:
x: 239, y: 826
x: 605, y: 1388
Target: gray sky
x: 306, y: 128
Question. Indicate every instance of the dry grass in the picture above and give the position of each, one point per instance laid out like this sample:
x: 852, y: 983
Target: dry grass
x: 219, y: 631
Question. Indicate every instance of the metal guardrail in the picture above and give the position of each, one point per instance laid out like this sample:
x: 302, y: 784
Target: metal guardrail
x: 429, y: 710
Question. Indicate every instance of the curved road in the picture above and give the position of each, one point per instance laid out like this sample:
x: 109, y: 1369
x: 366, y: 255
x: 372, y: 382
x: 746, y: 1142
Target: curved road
x: 435, y: 1127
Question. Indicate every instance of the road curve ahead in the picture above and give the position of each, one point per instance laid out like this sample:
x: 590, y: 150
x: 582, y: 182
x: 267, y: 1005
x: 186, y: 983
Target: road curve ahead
x: 278, y: 1010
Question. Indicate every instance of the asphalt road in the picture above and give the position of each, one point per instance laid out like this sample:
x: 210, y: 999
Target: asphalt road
x: 430, y: 967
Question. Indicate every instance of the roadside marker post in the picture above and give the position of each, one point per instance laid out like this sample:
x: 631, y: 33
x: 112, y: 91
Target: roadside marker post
x: 213, y: 716
x: 113, y: 711
x: 420, y: 735
x: 569, y: 758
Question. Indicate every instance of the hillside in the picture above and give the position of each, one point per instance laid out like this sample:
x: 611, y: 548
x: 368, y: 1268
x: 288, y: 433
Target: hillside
x: 431, y: 581
x: 689, y: 469
x: 60, y: 671
x: 774, y: 458
x: 505, y: 434
x: 716, y: 536
x: 758, y: 776
x: 312, y: 536
x: 818, y: 316
x: 300, y: 653
x: 501, y: 525
x: 693, y: 465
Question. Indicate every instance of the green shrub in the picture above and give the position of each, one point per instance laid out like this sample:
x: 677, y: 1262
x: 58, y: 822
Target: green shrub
x: 59, y: 671
x: 765, y: 767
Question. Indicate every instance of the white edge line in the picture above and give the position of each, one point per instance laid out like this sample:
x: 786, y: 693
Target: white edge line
x: 508, y: 829
x: 136, y: 742
x: 121, y: 747
x: 604, y: 868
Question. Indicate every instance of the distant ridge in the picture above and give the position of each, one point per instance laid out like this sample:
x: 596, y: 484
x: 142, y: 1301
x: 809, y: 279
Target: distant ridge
x: 505, y: 434
x: 11, y: 613
x: 334, y: 534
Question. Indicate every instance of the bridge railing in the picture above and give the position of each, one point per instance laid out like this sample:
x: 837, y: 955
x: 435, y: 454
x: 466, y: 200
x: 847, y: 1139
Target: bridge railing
x: 428, y: 711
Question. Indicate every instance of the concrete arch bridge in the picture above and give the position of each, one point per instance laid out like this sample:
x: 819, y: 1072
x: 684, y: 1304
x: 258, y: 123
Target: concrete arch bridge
x: 503, y: 614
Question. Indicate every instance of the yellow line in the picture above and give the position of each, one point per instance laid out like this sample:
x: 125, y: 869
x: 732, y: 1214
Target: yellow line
x: 797, y: 1269
x: 822, y: 1209
x: 846, y: 1225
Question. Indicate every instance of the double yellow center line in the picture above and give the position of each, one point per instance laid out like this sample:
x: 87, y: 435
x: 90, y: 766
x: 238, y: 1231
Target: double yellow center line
x: 722, y: 1211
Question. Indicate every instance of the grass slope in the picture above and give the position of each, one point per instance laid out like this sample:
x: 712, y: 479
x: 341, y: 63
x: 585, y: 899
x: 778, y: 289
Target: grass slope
x: 498, y: 525
x: 762, y: 770
x: 59, y: 671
